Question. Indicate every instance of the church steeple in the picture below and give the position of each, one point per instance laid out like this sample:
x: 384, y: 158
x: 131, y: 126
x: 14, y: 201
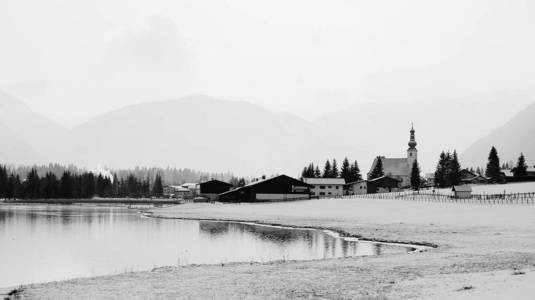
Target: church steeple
x: 412, y: 153
x: 412, y: 141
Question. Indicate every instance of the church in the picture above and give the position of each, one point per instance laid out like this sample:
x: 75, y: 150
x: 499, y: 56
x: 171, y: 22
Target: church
x: 399, y: 168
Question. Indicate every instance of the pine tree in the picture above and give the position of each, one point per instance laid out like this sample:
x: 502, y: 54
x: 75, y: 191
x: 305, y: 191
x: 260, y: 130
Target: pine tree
x: 377, y: 170
x: 415, y: 176
x: 317, y: 172
x: 334, y: 172
x: 493, y: 166
x: 304, y: 173
x: 157, y: 188
x: 454, y: 169
x: 521, y: 168
x: 355, y: 172
x: 327, y: 170
x: 440, y: 171
x: 345, y: 171
x: 3, y: 181
x: 31, y: 185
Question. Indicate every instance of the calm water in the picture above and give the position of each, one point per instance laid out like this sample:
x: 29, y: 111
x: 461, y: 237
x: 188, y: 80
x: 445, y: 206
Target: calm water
x: 51, y: 242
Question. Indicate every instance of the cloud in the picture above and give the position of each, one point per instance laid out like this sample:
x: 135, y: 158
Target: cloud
x: 156, y: 43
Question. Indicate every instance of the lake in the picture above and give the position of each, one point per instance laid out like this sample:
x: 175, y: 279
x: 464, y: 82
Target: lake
x: 56, y: 242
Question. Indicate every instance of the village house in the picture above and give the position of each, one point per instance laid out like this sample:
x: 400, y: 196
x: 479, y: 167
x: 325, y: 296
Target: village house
x: 357, y: 187
x: 326, y: 187
x: 399, y: 168
x: 278, y: 188
x: 468, y: 177
x: 175, y: 191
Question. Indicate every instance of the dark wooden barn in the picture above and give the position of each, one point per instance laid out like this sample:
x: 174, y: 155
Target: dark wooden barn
x: 279, y: 188
x: 211, y: 189
x: 383, y: 184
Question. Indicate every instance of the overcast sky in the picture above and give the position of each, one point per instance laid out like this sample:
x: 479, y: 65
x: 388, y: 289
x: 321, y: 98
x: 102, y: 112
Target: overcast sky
x: 71, y: 60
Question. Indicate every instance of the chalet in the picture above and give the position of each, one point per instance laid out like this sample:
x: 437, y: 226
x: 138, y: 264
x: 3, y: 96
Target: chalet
x: 278, y: 188
x: 462, y: 191
x: 383, y: 184
x: 357, y: 187
x: 468, y: 177
x: 211, y: 189
x: 509, y: 175
x: 326, y: 187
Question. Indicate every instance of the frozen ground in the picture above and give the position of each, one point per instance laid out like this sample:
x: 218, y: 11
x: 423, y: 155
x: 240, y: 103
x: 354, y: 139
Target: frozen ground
x: 485, y: 252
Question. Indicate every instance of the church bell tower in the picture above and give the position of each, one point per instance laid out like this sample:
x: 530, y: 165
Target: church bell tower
x: 412, y: 153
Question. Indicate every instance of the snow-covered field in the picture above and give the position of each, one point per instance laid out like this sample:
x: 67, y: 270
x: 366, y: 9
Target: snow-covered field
x: 519, y: 187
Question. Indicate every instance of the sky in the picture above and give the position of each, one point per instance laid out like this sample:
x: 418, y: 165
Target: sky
x: 71, y: 59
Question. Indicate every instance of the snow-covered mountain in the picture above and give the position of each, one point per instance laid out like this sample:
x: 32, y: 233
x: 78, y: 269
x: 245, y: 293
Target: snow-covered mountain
x: 204, y: 133
x: 515, y: 136
x: 27, y: 137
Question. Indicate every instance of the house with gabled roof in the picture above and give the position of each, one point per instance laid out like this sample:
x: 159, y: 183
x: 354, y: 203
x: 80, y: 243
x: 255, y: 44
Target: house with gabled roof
x: 326, y: 187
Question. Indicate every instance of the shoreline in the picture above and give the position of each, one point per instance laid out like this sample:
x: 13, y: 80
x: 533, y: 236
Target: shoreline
x: 60, y: 201
x: 341, y: 233
x: 484, y: 251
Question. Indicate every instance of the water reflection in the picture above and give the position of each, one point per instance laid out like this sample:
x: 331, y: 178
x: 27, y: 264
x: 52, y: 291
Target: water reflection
x: 44, y: 243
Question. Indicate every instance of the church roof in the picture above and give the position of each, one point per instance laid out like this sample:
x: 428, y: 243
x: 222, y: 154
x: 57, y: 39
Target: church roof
x: 394, y: 166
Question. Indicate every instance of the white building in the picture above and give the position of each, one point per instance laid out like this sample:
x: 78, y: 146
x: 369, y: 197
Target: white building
x: 326, y: 187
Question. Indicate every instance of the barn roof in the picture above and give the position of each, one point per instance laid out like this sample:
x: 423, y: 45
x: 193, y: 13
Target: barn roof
x: 324, y: 180
x: 461, y: 188
x: 214, y: 181
x: 263, y: 181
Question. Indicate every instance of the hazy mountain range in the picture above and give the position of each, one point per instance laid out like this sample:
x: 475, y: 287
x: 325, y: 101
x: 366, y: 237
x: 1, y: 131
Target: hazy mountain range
x: 204, y: 133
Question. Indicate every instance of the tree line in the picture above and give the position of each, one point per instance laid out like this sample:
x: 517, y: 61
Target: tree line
x: 70, y: 185
x: 170, y: 176
x: 350, y: 172
x: 448, y: 171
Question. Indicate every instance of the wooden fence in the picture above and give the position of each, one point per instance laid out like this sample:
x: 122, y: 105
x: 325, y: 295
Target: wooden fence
x: 427, y: 196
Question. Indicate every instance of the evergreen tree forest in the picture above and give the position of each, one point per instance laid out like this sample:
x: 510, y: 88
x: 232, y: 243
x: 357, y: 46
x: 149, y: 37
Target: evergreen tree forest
x: 348, y: 171
x: 448, y: 170
x: 76, y: 185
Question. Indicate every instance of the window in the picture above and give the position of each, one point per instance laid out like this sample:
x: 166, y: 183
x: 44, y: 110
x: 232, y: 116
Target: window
x: 330, y: 187
x: 322, y: 194
x: 322, y: 187
x: 337, y: 187
x: 329, y: 193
